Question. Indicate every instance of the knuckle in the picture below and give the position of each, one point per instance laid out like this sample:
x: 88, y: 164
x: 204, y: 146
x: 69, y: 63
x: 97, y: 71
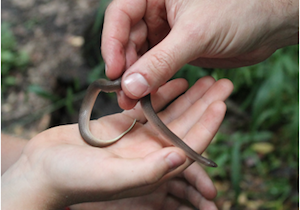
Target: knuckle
x: 151, y: 178
x: 160, y: 64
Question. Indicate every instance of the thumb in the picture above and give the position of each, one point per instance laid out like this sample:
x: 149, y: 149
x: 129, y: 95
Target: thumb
x: 156, y: 66
x: 150, y: 169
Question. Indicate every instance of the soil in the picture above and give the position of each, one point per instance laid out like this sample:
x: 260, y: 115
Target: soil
x: 52, y: 34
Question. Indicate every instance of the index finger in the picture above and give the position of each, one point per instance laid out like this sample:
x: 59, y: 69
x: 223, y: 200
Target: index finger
x: 120, y: 16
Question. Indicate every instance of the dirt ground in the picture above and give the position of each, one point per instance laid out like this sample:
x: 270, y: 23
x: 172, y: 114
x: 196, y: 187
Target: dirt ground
x: 51, y: 32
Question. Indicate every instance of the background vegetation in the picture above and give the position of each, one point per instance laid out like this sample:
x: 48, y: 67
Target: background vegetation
x: 257, y: 147
x: 12, y: 59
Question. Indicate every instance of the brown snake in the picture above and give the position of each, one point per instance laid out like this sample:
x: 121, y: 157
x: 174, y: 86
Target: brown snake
x: 112, y: 86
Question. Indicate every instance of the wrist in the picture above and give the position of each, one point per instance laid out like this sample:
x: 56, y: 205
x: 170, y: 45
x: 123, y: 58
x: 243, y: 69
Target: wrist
x: 24, y: 188
x: 288, y: 11
x: 11, y: 150
x: 286, y: 14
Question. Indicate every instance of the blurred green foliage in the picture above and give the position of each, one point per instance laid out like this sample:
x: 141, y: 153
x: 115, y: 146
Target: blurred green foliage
x: 268, y: 93
x: 72, y: 94
x: 12, y: 59
x: 15, y: 61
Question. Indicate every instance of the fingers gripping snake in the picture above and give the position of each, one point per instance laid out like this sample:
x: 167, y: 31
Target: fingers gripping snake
x: 112, y: 86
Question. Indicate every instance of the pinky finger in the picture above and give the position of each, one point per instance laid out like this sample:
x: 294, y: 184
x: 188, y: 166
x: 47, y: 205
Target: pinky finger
x: 199, y: 201
x: 183, y: 191
x: 191, y: 201
x: 175, y: 203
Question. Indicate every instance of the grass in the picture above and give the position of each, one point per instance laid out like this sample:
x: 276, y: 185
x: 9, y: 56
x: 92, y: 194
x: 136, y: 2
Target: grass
x: 266, y: 145
x: 13, y: 60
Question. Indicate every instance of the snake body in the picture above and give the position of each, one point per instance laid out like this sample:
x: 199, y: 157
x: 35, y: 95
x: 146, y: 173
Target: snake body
x: 112, y: 86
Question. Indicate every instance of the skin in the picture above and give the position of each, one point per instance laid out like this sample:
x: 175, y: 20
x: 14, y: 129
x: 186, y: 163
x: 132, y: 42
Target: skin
x: 109, y: 86
x: 150, y: 40
x: 57, y: 168
x: 86, y: 110
x: 169, y: 196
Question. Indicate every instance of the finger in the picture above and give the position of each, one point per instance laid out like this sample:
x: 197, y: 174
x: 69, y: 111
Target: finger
x: 180, y: 189
x: 125, y: 102
x: 203, y: 131
x: 221, y: 91
x: 185, y: 101
x: 207, y: 204
x: 136, y: 41
x: 144, y: 48
x: 184, y: 207
x: 138, y: 172
x: 156, y: 66
x: 218, y: 91
x: 173, y: 203
x: 157, y: 21
x: 160, y: 99
x: 200, y: 180
x: 120, y: 16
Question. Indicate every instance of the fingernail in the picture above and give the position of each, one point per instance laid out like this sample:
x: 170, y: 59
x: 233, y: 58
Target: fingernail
x: 136, y: 84
x: 174, y: 160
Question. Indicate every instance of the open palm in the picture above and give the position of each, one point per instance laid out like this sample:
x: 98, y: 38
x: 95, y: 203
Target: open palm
x: 139, y: 162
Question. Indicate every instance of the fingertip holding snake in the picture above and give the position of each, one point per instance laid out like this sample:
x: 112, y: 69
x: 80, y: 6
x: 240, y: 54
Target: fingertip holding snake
x: 112, y: 86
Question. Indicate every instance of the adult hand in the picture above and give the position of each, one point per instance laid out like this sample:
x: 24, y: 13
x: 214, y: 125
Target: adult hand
x: 176, y: 193
x: 57, y: 168
x: 171, y: 33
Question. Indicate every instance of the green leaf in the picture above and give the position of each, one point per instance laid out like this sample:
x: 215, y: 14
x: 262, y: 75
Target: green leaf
x: 236, y: 167
x: 22, y: 59
x: 69, y: 101
x: 38, y: 90
x: 96, y: 73
x: 8, y: 41
x: 7, y: 57
x: 9, y: 80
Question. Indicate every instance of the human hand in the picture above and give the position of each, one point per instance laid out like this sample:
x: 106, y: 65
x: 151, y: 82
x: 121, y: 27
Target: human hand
x: 176, y: 193
x: 168, y: 34
x: 57, y: 168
